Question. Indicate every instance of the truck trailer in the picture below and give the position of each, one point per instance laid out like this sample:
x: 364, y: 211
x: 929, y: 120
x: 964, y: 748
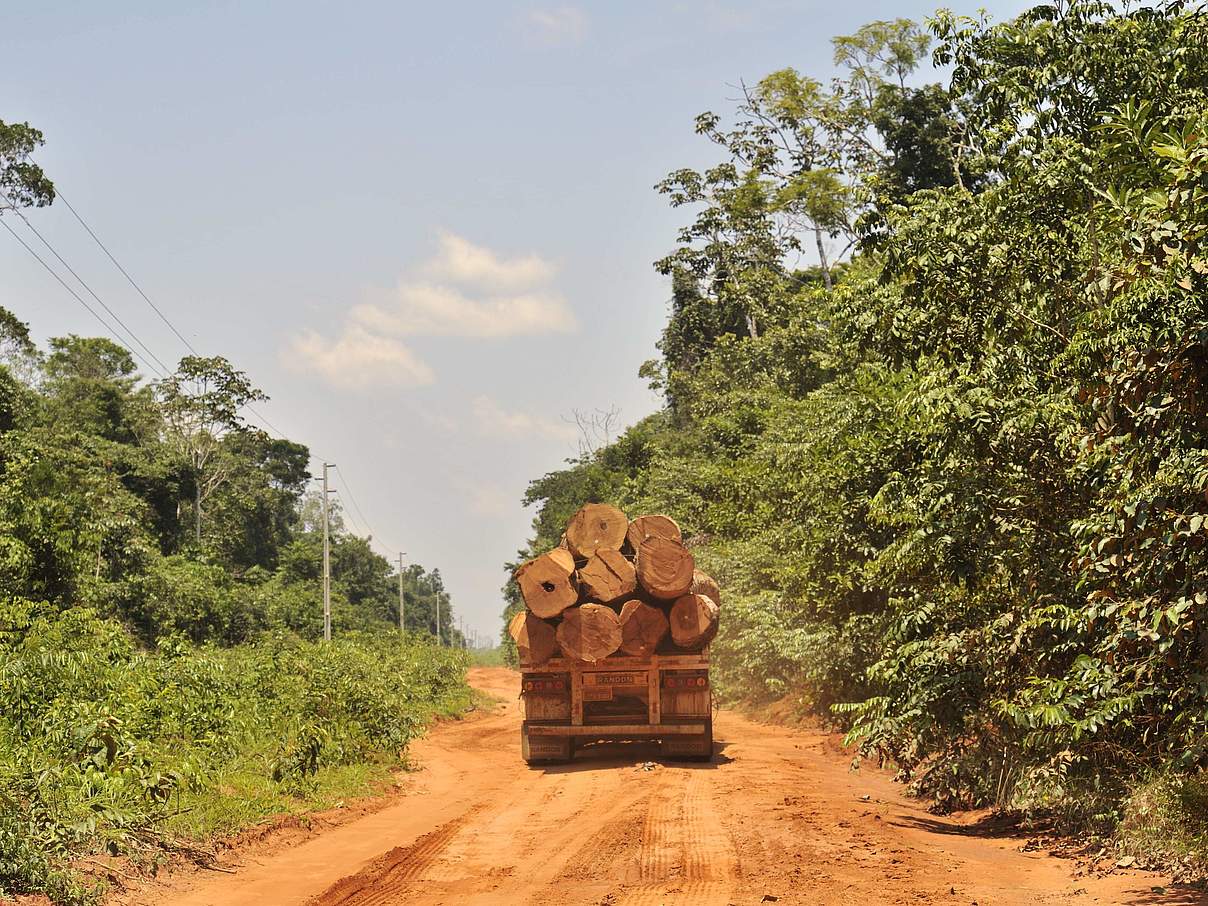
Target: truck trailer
x: 661, y: 697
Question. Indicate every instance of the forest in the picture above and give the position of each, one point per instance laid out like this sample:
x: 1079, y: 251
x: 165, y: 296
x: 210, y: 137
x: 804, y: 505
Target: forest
x: 162, y: 678
x: 936, y: 409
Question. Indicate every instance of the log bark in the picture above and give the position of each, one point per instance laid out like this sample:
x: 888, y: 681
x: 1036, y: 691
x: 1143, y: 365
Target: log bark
x: 607, y: 576
x: 547, y: 583
x: 646, y: 527
x: 535, y: 639
x: 665, y: 568
x: 596, y: 526
x: 694, y: 621
x: 589, y: 633
x: 642, y: 628
x: 704, y: 584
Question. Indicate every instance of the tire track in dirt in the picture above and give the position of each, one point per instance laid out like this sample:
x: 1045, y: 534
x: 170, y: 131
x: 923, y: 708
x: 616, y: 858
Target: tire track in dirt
x: 687, y: 854
x: 384, y: 880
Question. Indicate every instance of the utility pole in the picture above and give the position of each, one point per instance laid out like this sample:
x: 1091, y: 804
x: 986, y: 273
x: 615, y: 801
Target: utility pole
x: 326, y: 557
x: 402, y: 626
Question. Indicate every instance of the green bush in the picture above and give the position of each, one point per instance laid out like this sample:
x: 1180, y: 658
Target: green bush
x: 103, y: 746
x: 1166, y: 820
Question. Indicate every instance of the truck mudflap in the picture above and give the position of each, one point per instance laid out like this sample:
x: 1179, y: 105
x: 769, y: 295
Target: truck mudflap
x: 539, y: 749
x: 689, y: 747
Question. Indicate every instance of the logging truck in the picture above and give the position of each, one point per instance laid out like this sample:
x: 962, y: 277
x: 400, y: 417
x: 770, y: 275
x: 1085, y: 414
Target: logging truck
x: 661, y: 697
x: 613, y: 640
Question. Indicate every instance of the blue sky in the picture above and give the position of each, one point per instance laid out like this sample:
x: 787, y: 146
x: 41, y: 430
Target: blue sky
x: 425, y: 230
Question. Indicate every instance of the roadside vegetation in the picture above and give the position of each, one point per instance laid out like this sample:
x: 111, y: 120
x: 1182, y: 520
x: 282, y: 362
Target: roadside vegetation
x: 161, y: 675
x: 954, y: 477
x: 109, y: 750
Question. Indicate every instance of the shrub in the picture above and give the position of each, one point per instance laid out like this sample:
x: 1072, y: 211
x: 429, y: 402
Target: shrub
x: 103, y: 744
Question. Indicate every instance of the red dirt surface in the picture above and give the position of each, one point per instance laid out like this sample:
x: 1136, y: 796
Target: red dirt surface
x: 778, y: 817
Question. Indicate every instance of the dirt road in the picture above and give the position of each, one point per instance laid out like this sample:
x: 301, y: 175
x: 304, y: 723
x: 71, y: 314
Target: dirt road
x: 777, y: 818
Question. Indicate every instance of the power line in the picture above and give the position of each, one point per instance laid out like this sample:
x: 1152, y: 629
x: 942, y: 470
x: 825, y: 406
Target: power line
x: 272, y: 429
x: 356, y: 506
x: 356, y: 525
x: 83, y: 283
x: 61, y: 197
x: 76, y: 296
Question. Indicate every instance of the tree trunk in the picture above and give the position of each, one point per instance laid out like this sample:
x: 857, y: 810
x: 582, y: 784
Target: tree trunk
x: 547, y: 583
x: 752, y: 327
x: 694, y: 620
x: 642, y: 628
x: 596, y: 526
x: 607, y: 576
x: 197, y: 511
x: 645, y: 527
x: 665, y: 568
x: 589, y: 633
x: 703, y: 584
x: 534, y: 638
x: 826, y: 274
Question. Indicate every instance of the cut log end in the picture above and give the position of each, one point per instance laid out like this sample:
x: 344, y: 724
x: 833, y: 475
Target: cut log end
x: 607, y: 576
x: 704, y: 584
x: 694, y: 621
x: 665, y: 568
x: 646, y: 527
x: 589, y: 633
x: 547, y: 584
x: 596, y: 526
x: 563, y: 558
x: 535, y: 639
x: 642, y: 628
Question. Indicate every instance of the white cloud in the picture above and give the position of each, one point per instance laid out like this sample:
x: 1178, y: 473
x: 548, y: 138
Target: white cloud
x: 434, y: 310
x: 467, y: 291
x: 493, y: 420
x: 557, y: 25
x: 357, y: 360
x: 464, y: 263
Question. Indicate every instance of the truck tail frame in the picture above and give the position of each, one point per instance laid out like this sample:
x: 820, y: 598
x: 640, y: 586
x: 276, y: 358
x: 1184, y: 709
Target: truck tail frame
x: 664, y: 697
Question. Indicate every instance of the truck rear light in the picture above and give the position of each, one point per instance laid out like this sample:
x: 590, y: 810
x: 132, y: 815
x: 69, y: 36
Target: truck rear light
x: 544, y: 684
x: 700, y: 681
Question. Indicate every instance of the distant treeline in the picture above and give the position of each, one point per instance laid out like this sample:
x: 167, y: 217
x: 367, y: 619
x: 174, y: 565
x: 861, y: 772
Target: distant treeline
x: 158, y: 504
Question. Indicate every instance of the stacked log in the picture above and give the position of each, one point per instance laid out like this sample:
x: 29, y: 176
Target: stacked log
x: 612, y: 587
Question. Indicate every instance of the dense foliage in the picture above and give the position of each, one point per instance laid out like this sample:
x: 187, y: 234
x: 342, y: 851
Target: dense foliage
x: 956, y: 484
x: 158, y: 505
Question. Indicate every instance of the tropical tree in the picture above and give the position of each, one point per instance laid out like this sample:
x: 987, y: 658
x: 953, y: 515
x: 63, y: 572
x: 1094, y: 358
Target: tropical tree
x: 200, y: 403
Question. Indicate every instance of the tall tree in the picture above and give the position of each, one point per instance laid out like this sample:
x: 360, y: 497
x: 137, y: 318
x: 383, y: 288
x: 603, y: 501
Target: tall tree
x: 200, y: 403
x: 22, y: 182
